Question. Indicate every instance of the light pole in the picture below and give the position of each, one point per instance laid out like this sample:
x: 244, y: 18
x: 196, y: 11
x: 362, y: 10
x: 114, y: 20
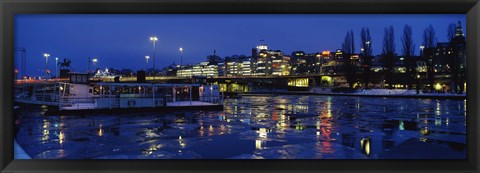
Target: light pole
x: 46, y: 55
x: 56, y: 68
x: 181, y: 57
x: 154, y: 39
x: 94, y: 60
x: 146, y: 58
x: 421, y: 55
x: 421, y: 48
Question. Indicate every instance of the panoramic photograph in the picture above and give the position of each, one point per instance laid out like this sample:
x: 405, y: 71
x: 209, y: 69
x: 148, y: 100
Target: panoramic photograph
x: 240, y: 86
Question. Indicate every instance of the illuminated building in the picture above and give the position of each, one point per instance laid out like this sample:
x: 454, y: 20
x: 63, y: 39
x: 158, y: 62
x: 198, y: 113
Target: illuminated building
x: 299, y: 63
x: 232, y: 68
x: 325, y: 57
x: 202, y: 69
x: 267, y: 62
x: 332, y: 63
x: 246, y: 68
x: 221, y: 69
x: 446, y: 63
x: 238, y: 66
x: 305, y: 63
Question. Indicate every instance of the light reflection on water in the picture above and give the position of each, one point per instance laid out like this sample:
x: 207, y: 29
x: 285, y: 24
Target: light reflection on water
x: 278, y: 127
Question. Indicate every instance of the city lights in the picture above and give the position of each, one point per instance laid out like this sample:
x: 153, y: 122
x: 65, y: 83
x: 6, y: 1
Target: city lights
x: 334, y: 97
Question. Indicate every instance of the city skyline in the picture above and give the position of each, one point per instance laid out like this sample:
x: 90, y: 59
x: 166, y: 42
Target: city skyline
x: 122, y: 41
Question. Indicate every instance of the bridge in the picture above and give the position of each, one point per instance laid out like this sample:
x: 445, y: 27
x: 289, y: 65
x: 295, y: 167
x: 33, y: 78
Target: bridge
x: 230, y: 83
x: 176, y: 78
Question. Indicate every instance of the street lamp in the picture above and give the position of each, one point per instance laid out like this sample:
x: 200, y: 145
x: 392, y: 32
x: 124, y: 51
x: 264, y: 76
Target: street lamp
x: 367, y: 47
x: 422, y: 47
x: 46, y: 55
x: 56, y: 68
x: 154, y: 39
x: 94, y: 60
x: 181, y: 57
x: 146, y: 58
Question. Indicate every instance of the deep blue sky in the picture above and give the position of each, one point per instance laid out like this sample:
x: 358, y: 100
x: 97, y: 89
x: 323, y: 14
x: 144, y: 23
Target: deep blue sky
x: 122, y: 41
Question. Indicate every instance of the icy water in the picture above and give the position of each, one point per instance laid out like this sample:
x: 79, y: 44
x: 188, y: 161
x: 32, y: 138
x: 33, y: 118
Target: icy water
x: 257, y: 127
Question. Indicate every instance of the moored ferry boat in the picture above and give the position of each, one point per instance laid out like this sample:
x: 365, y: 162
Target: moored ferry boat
x: 79, y: 94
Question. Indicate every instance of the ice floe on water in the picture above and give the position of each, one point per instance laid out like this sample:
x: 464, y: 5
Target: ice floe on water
x: 257, y: 127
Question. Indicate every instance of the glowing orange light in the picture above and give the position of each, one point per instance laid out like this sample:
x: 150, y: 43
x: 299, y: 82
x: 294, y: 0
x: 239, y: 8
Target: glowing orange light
x: 326, y: 53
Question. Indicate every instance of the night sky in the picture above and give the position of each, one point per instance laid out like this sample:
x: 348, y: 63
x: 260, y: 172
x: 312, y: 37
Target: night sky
x: 122, y: 41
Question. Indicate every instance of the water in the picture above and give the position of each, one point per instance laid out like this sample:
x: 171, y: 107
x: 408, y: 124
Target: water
x: 257, y: 127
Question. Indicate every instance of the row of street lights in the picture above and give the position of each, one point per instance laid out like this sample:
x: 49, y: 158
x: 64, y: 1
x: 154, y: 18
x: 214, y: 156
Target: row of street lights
x: 154, y: 40
x: 46, y: 55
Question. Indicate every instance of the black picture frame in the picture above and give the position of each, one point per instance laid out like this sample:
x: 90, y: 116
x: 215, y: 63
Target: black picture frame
x: 9, y: 8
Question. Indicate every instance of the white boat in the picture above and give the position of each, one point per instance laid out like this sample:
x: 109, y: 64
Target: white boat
x: 136, y: 95
x: 81, y: 95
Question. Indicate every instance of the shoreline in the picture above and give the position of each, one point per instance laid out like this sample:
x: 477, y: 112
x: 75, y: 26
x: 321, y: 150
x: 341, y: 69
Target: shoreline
x: 55, y: 111
x: 419, y: 96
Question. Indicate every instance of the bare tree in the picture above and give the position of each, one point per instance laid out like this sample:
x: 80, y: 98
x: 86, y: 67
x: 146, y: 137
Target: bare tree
x: 451, y: 31
x: 429, y: 41
x: 348, y: 48
x: 366, y: 45
x: 389, y: 54
x: 348, y: 45
x: 408, y: 50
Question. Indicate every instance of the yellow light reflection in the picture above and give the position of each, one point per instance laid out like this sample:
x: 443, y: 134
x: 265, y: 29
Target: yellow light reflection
x: 365, y: 145
x: 259, y: 144
x: 153, y: 147
x: 423, y: 139
x: 438, y: 108
x: 438, y: 121
x: 367, y: 148
x: 45, y: 135
x: 61, y: 137
x: 100, y: 131
x: 45, y: 124
x: 181, y: 142
x: 262, y: 133
x: 424, y: 131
